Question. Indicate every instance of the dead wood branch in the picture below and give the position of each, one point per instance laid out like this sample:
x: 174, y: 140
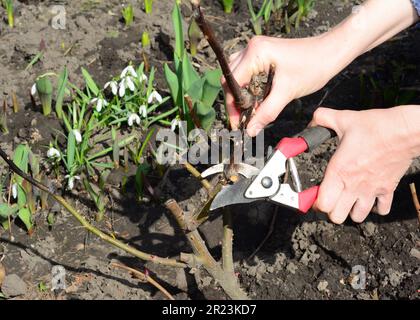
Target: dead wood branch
x: 144, y: 277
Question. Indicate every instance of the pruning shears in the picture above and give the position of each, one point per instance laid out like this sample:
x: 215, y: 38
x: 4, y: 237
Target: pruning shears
x: 254, y: 184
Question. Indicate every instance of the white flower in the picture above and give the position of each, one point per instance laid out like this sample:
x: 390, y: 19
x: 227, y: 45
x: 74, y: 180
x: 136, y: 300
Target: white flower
x: 100, y: 103
x: 125, y: 83
x: 133, y: 118
x: 70, y: 184
x: 14, y: 190
x: 77, y: 135
x: 142, y: 78
x: 155, y: 97
x: 174, y: 124
x: 114, y: 86
x: 128, y: 70
x: 53, y: 153
x: 33, y: 90
x: 143, y: 111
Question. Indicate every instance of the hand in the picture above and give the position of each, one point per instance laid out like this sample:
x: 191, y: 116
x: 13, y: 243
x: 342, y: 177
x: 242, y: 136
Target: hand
x: 301, y: 69
x: 376, y: 148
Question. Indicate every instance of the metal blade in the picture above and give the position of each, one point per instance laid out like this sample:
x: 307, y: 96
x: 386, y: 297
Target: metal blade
x: 232, y: 194
x: 243, y: 169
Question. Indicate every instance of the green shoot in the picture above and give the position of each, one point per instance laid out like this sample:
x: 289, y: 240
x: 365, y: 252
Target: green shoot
x: 228, y: 5
x: 145, y: 40
x: 148, y: 6
x: 194, y: 35
x: 263, y: 14
x: 44, y: 89
x: 62, y: 83
x: 37, y: 57
x: 8, y: 4
x: 3, y: 119
x: 128, y: 15
x: 304, y: 7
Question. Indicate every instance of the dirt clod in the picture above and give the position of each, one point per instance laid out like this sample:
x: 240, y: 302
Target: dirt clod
x: 13, y: 286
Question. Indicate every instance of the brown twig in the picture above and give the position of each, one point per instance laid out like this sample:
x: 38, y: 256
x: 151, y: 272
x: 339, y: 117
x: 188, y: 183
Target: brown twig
x: 137, y: 253
x: 241, y: 101
x: 144, y: 277
x: 193, y: 114
x: 416, y: 201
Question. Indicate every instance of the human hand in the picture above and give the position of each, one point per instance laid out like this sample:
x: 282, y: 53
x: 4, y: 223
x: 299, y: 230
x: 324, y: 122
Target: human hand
x: 376, y: 148
x: 301, y: 69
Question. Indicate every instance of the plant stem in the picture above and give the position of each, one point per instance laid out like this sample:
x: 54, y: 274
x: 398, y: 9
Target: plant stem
x: 227, y: 242
x: 197, y: 175
x: 238, y: 94
x: 416, y: 201
x: 140, y: 275
x: 137, y: 253
x: 227, y: 280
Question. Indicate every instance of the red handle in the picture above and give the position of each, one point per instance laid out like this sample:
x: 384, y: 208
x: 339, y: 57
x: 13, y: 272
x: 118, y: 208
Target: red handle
x: 307, y: 199
x: 291, y: 147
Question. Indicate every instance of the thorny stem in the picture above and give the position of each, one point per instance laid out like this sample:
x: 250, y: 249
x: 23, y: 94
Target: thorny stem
x: 143, y: 277
x: 137, y: 253
x: 240, y: 101
x: 202, y: 255
x: 227, y: 242
x: 197, y: 175
x: 415, y: 199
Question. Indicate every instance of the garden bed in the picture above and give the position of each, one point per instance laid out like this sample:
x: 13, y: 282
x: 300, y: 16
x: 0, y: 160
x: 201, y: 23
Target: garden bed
x: 306, y: 257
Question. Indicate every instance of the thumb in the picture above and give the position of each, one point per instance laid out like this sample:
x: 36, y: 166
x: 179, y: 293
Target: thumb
x: 326, y: 117
x: 268, y: 111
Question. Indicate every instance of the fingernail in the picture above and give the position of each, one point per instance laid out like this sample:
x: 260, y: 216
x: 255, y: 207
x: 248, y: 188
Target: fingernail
x: 254, y: 129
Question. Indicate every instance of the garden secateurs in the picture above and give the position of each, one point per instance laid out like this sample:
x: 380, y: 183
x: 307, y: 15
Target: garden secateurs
x: 254, y: 184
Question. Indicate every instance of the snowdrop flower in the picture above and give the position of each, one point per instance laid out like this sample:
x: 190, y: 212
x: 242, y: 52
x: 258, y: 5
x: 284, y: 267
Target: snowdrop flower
x: 77, y: 135
x: 114, y: 86
x: 33, y: 90
x: 125, y: 83
x: 14, y: 191
x: 53, y: 153
x: 155, y: 97
x: 142, y: 78
x: 100, y: 103
x: 71, y: 181
x: 143, y: 111
x: 174, y: 124
x: 133, y: 118
x: 129, y: 71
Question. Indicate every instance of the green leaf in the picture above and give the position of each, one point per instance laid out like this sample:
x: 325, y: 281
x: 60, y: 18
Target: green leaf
x: 179, y: 32
x: 6, y: 210
x: 62, y: 83
x: 71, y: 150
x: 211, y: 87
x: 89, y: 82
x: 189, y: 75
x: 173, y: 83
x: 206, y: 114
x: 26, y: 217
x: 195, y: 91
